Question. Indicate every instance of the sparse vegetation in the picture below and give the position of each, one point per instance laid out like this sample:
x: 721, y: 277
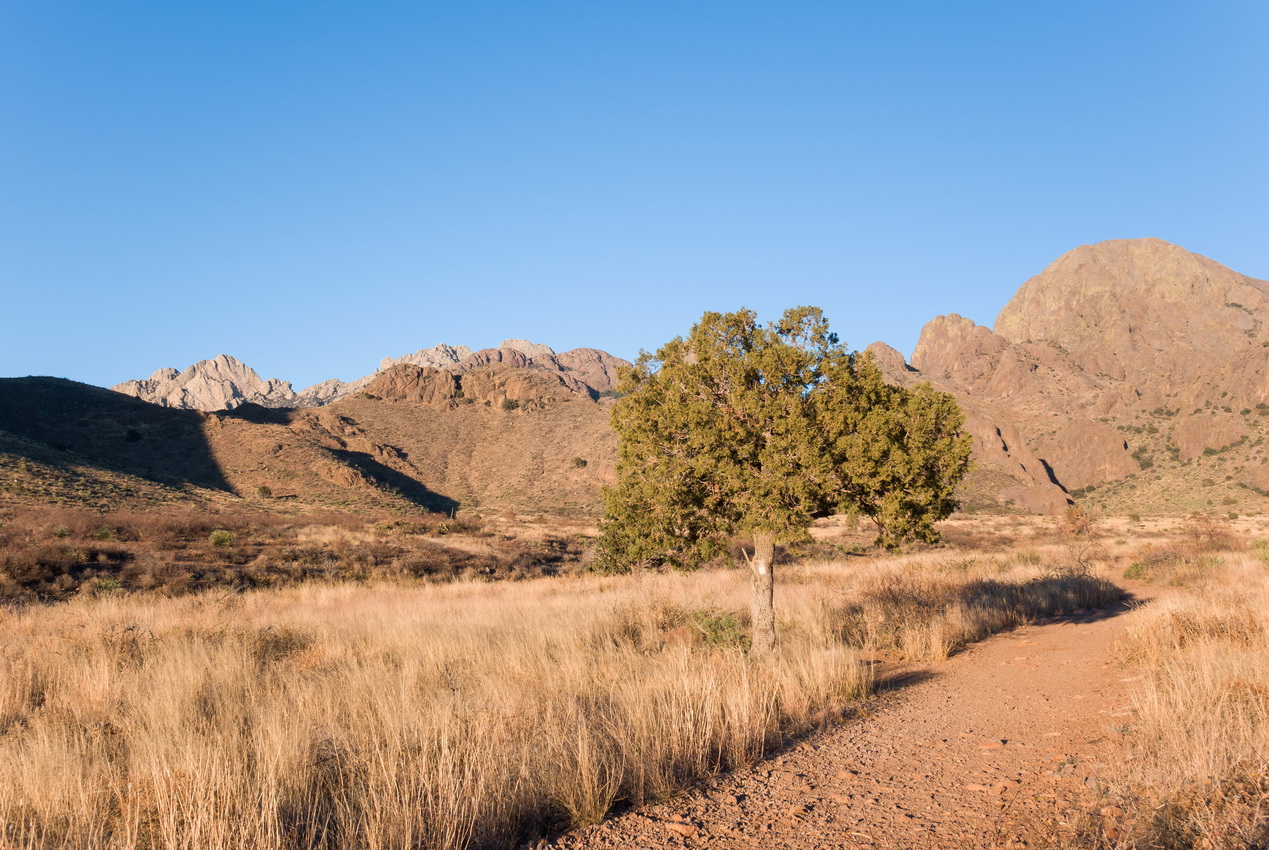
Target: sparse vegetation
x: 56, y: 553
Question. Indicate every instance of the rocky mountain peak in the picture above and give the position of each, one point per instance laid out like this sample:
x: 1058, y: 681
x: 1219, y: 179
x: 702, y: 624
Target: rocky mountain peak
x: 437, y: 357
x: 222, y: 383
x: 1133, y: 306
x: 1116, y: 352
x: 532, y: 350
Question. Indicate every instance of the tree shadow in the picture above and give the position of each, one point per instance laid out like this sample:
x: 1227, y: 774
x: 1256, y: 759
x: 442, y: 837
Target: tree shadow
x: 899, y: 679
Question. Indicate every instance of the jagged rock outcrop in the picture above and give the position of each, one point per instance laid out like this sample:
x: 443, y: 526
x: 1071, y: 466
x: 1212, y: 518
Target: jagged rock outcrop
x: 533, y: 350
x: 490, y: 383
x: 421, y: 384
x: 325, y: 392
x: 438, y: 357
x: 509, y: 356
x: 222, y: 383
x: 1115, y: 354
x: 1143, y: 308
x: 589, y: 366
x: 226, y: 383
x: 1019, y: 477
x: 891, y: 363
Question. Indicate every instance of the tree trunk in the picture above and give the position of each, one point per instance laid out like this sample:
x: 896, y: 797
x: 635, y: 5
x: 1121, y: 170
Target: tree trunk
x: 762, y: 566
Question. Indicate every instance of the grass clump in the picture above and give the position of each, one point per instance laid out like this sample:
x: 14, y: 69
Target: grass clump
x: 221, y: 537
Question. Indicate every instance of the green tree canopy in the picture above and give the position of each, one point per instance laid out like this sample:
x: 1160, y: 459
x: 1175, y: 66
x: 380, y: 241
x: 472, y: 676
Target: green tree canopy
x: 749, y: 431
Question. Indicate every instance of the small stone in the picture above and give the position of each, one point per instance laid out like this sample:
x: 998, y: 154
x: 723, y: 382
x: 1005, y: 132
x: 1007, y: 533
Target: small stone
x: 684, y: 829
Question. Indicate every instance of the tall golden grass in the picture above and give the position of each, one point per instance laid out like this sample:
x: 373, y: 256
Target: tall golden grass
x: 446, y: 716
x: 1198, y: 767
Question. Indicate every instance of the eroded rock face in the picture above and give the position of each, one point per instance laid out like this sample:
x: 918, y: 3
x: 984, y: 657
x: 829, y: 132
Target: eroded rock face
x: 482, y: 383
x: 423, y: 384
x: 490, y: 356
x: 597, y: 369
x: 1129, y: 337
x: 226, y: 383
x: 533, y: 350
x: 324, y: 393
x: 1139, y: 307
x: 1020, y: 477
x: 222, y: 383
x: 438, y: 357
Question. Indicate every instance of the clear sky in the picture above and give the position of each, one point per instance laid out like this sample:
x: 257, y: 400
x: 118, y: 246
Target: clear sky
x: 313, y: 186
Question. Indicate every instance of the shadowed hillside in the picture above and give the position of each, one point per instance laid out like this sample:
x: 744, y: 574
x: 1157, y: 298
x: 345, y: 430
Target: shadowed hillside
x: 497, y: 438
x: 68, y: 424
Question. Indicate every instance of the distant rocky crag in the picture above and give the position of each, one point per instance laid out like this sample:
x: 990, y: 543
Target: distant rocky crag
x: 539, y: 373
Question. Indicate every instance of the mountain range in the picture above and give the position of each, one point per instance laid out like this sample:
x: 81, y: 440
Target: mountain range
x: 1130, y: 374
x: 225, y: 382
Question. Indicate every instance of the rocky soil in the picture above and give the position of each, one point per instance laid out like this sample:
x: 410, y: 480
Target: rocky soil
x: 1004, y: 745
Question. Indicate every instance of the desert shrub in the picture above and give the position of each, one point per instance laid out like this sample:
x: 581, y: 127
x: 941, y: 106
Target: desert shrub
x: 1205, y: 533
x: 1028, y: 558
x: 221, y: 537
x: 721, y: 628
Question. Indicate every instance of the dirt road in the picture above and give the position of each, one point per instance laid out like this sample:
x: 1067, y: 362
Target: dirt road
x: 1000, y: 746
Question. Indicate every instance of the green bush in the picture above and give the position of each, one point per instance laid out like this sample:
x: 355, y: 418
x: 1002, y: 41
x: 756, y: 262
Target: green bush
x: 721, y: 628
x: 1138, y: 571
x: 221, y: 537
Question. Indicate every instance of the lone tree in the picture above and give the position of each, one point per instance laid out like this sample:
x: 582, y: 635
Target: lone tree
x: 748, y: 432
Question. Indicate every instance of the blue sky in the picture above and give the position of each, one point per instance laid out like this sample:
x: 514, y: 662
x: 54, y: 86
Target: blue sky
x: 313, y: 186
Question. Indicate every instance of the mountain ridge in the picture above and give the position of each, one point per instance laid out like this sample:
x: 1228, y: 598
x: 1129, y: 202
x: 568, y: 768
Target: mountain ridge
x: 521, y: 427
x: 225, y: 382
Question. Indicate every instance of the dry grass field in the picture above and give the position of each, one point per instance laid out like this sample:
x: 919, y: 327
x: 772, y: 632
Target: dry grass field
x: 264, y: 705
x: 396, y: 713
x: 1196, y: 764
